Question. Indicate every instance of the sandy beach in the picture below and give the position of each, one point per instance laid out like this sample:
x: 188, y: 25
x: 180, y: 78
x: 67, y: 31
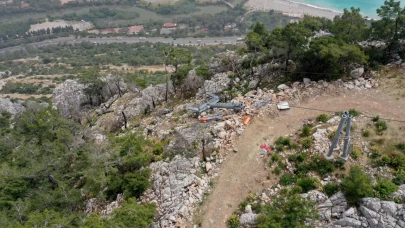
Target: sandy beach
x: 294, y: 8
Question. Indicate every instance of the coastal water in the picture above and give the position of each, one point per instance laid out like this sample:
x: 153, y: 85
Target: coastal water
x: 367, y: 7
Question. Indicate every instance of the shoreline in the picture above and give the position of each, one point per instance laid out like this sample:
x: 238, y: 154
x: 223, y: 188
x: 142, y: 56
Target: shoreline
x: 292, y: 8
x: 295, y: 9
x: 318, y: 7
x: 331, y: 9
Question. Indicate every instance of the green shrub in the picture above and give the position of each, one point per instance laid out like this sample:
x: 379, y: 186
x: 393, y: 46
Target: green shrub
x: 294, y: 146
x: 136, y: 183
x: 379, y: 141
x: 297, y: 157
x: 281, y: 164
x: 322, y: 118
x: 243, y: 204
x: 355, y: 153
x: 398, y: 161
x: 331, y: 188
x: 292, y: 157
x: 375, y: 153
x: 340, y: 163
x: 234, y: 221
x: 307, y: 184
x: 366, y: 133
x: 257, y: 207
x: 303, y: 168
x: 289, y: 210
x: 301, y: 157
x: 283, y: 141
x: 306, y: 142
x: 277, y: 170
x: 287, y: 179
x: 321, y: 165
x: 383, y: 161
x: 353, y: 112
x: 295, y: 190
x: 381, y: 126
x: 376, y: 118
x: 331, y: 135
x: 275, y: 158
x: 400, y: 146
x: 399, y: 179
x: 280, y: 148
x: 306, y: 131
x: 384, y: 188
x: 356, y: 185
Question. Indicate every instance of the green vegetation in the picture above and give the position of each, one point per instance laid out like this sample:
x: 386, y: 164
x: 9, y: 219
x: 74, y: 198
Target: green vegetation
x: 88, y: 54
x: 98, y: 13
x: 13, y: 29
x: 384, y: 188
x: 380, y: 126
x: 353, y: 112
x: 355, y: 153
x: 130, y: 214
x: 307, y: 184
x: 203, y: 71
x: 234, y: 221
x: 399, y: 178
x: 306, y: 131
x: 366, y: 133
x: 180, y: 7
x: 356, y: 185
x: 328, y: 57
x: 271, y: 19
x: 307, y: 142
x: 322, y: 118
x: 287, y: 179
x: 400, y: 146
x: 49, y: 168
x: 283, y: 143
x: 321, y: 165
x: 289, y: 210
x: 331, y: 188
x: 26, y: 88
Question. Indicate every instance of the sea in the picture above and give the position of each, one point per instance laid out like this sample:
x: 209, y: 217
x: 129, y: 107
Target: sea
x: 367, y: 7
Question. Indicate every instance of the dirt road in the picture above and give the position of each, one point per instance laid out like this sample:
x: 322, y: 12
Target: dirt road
x: 245, y: 171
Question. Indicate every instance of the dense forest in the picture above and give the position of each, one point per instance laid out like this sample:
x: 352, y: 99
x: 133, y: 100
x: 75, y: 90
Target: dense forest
x: 49, y: 167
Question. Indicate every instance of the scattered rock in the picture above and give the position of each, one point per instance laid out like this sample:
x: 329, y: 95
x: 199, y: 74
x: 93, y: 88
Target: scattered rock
x: 208, y: 167
x: 253, y: 84
x: 69, y: 98
x: 283, y: 87
x: 356, y: 73
x: 12, y: 107
x: 306, y: 81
